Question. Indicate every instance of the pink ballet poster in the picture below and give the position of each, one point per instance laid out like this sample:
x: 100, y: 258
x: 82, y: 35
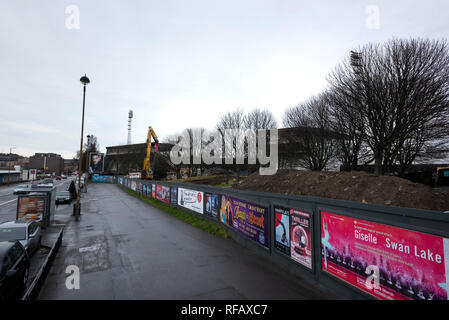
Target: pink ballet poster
x: 387, y: 262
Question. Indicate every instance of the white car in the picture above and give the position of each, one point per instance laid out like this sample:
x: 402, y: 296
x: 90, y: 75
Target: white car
x: 22, y: 188
x: 27, y: 232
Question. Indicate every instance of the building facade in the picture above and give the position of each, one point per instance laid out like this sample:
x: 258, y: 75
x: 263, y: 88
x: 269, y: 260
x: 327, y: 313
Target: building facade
x: 128, y: 158
x: 50, y: 163
x: 8, y: 161
x: 7, y: 176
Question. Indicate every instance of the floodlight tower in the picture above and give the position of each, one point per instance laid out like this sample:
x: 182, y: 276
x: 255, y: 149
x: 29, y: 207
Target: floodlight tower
x: 130, y: 116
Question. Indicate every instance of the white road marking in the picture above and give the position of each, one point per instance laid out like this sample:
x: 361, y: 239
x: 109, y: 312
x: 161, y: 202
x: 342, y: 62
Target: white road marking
x: 91, y: 248
x: 8, y: 202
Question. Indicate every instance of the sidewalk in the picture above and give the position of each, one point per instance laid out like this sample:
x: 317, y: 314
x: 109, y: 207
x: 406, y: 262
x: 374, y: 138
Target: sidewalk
x: 126, y: 249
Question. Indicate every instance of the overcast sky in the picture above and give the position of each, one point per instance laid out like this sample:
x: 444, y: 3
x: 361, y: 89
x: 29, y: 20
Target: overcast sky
x: 176, y: 64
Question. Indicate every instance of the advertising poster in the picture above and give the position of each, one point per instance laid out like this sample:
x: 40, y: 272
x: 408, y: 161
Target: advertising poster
x: 24, y: 175
x: 300, y: 237
x: 225, y: 210
x: 96, y: 162
x: 32, y: 174
x: 282, y: 229
x: 153, y: 190
x: 211, y: 205
x: 98, y: 178
x: 163, y: 193
x: 120, y: 180
x: 251, y: 220
x: 408, y: 265
x: 174, y: 195
x: 30, y: 208
x: 133, y: 185
x: 139, y: 187
x: 191, y: 199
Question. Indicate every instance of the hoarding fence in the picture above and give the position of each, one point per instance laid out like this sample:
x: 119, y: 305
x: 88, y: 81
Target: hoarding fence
x: 357, y: 250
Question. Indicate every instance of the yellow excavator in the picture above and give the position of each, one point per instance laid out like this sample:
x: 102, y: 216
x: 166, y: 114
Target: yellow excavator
x: 146, y: 172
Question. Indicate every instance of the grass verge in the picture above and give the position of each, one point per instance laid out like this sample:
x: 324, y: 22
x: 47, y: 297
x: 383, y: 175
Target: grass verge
x: 195, y: 221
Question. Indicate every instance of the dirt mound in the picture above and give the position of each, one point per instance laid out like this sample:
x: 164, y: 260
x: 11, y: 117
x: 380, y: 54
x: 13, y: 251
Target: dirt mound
x: 353, y: 186
x: 207, y: 180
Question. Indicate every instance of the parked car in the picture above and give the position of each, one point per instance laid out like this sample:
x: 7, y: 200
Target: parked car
x: 63, y: 197
x: 47, y: 181
x: 27, y: 232
x: 14, y: 269
x: 22, y: 188
x: 58, y: 178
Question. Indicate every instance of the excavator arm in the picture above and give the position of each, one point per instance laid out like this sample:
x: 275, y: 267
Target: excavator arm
x: 146, y: 161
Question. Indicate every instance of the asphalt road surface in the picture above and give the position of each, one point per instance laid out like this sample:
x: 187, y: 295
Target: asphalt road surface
x: 127, y: 249
x: 8, y: 201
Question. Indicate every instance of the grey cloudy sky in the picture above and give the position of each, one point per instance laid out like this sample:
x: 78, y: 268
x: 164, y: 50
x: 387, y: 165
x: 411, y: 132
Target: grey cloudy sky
x: 176, y: 64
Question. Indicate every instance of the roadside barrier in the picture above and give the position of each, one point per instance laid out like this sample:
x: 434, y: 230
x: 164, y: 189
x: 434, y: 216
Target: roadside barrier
x: 33, y: 290
x: 357, y: 250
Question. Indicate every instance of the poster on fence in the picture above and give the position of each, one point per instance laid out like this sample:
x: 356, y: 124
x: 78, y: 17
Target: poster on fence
x: 174, y: 195
x: 282, y: 229
x: 153, y: 190
x: 211, y: 204
x: 225, y: 210
x: 139, y: 187
x: 163, y: 193
x: 249, y: 219
x: 191, y: 199
x: 387, y: 262
x: 301, y: 237
x: 100, y: 178
x: 133, y: 185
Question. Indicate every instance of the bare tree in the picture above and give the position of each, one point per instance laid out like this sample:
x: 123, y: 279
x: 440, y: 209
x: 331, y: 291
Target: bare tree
x: 91, y: 145
x: 259, y: 119
x: 400, y: 94
x: 196, y: 143
x: 314, y: 137
x: 174, y: 139
x: 228, y: 121
x: 349, y: 147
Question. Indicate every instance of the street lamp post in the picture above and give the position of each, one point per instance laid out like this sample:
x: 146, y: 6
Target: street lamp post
x: 84, y: 80
x: 9, y: 167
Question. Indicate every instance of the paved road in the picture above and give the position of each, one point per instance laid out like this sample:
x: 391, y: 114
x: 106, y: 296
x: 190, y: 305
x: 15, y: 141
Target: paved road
x: 8, y: 201
x: 126, y: 249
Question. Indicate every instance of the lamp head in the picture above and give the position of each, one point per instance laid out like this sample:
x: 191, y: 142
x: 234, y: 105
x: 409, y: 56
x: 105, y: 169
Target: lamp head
x: 85, y: 80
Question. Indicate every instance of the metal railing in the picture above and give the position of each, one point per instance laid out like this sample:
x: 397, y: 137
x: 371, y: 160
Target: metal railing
x: 33, y: 290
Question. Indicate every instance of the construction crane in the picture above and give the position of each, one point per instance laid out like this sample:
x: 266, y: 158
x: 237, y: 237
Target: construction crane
x: 146, y: 174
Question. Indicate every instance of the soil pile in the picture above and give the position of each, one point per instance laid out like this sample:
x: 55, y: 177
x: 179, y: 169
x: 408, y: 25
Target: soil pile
x: 353, y: 186
x: 207, y: 180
